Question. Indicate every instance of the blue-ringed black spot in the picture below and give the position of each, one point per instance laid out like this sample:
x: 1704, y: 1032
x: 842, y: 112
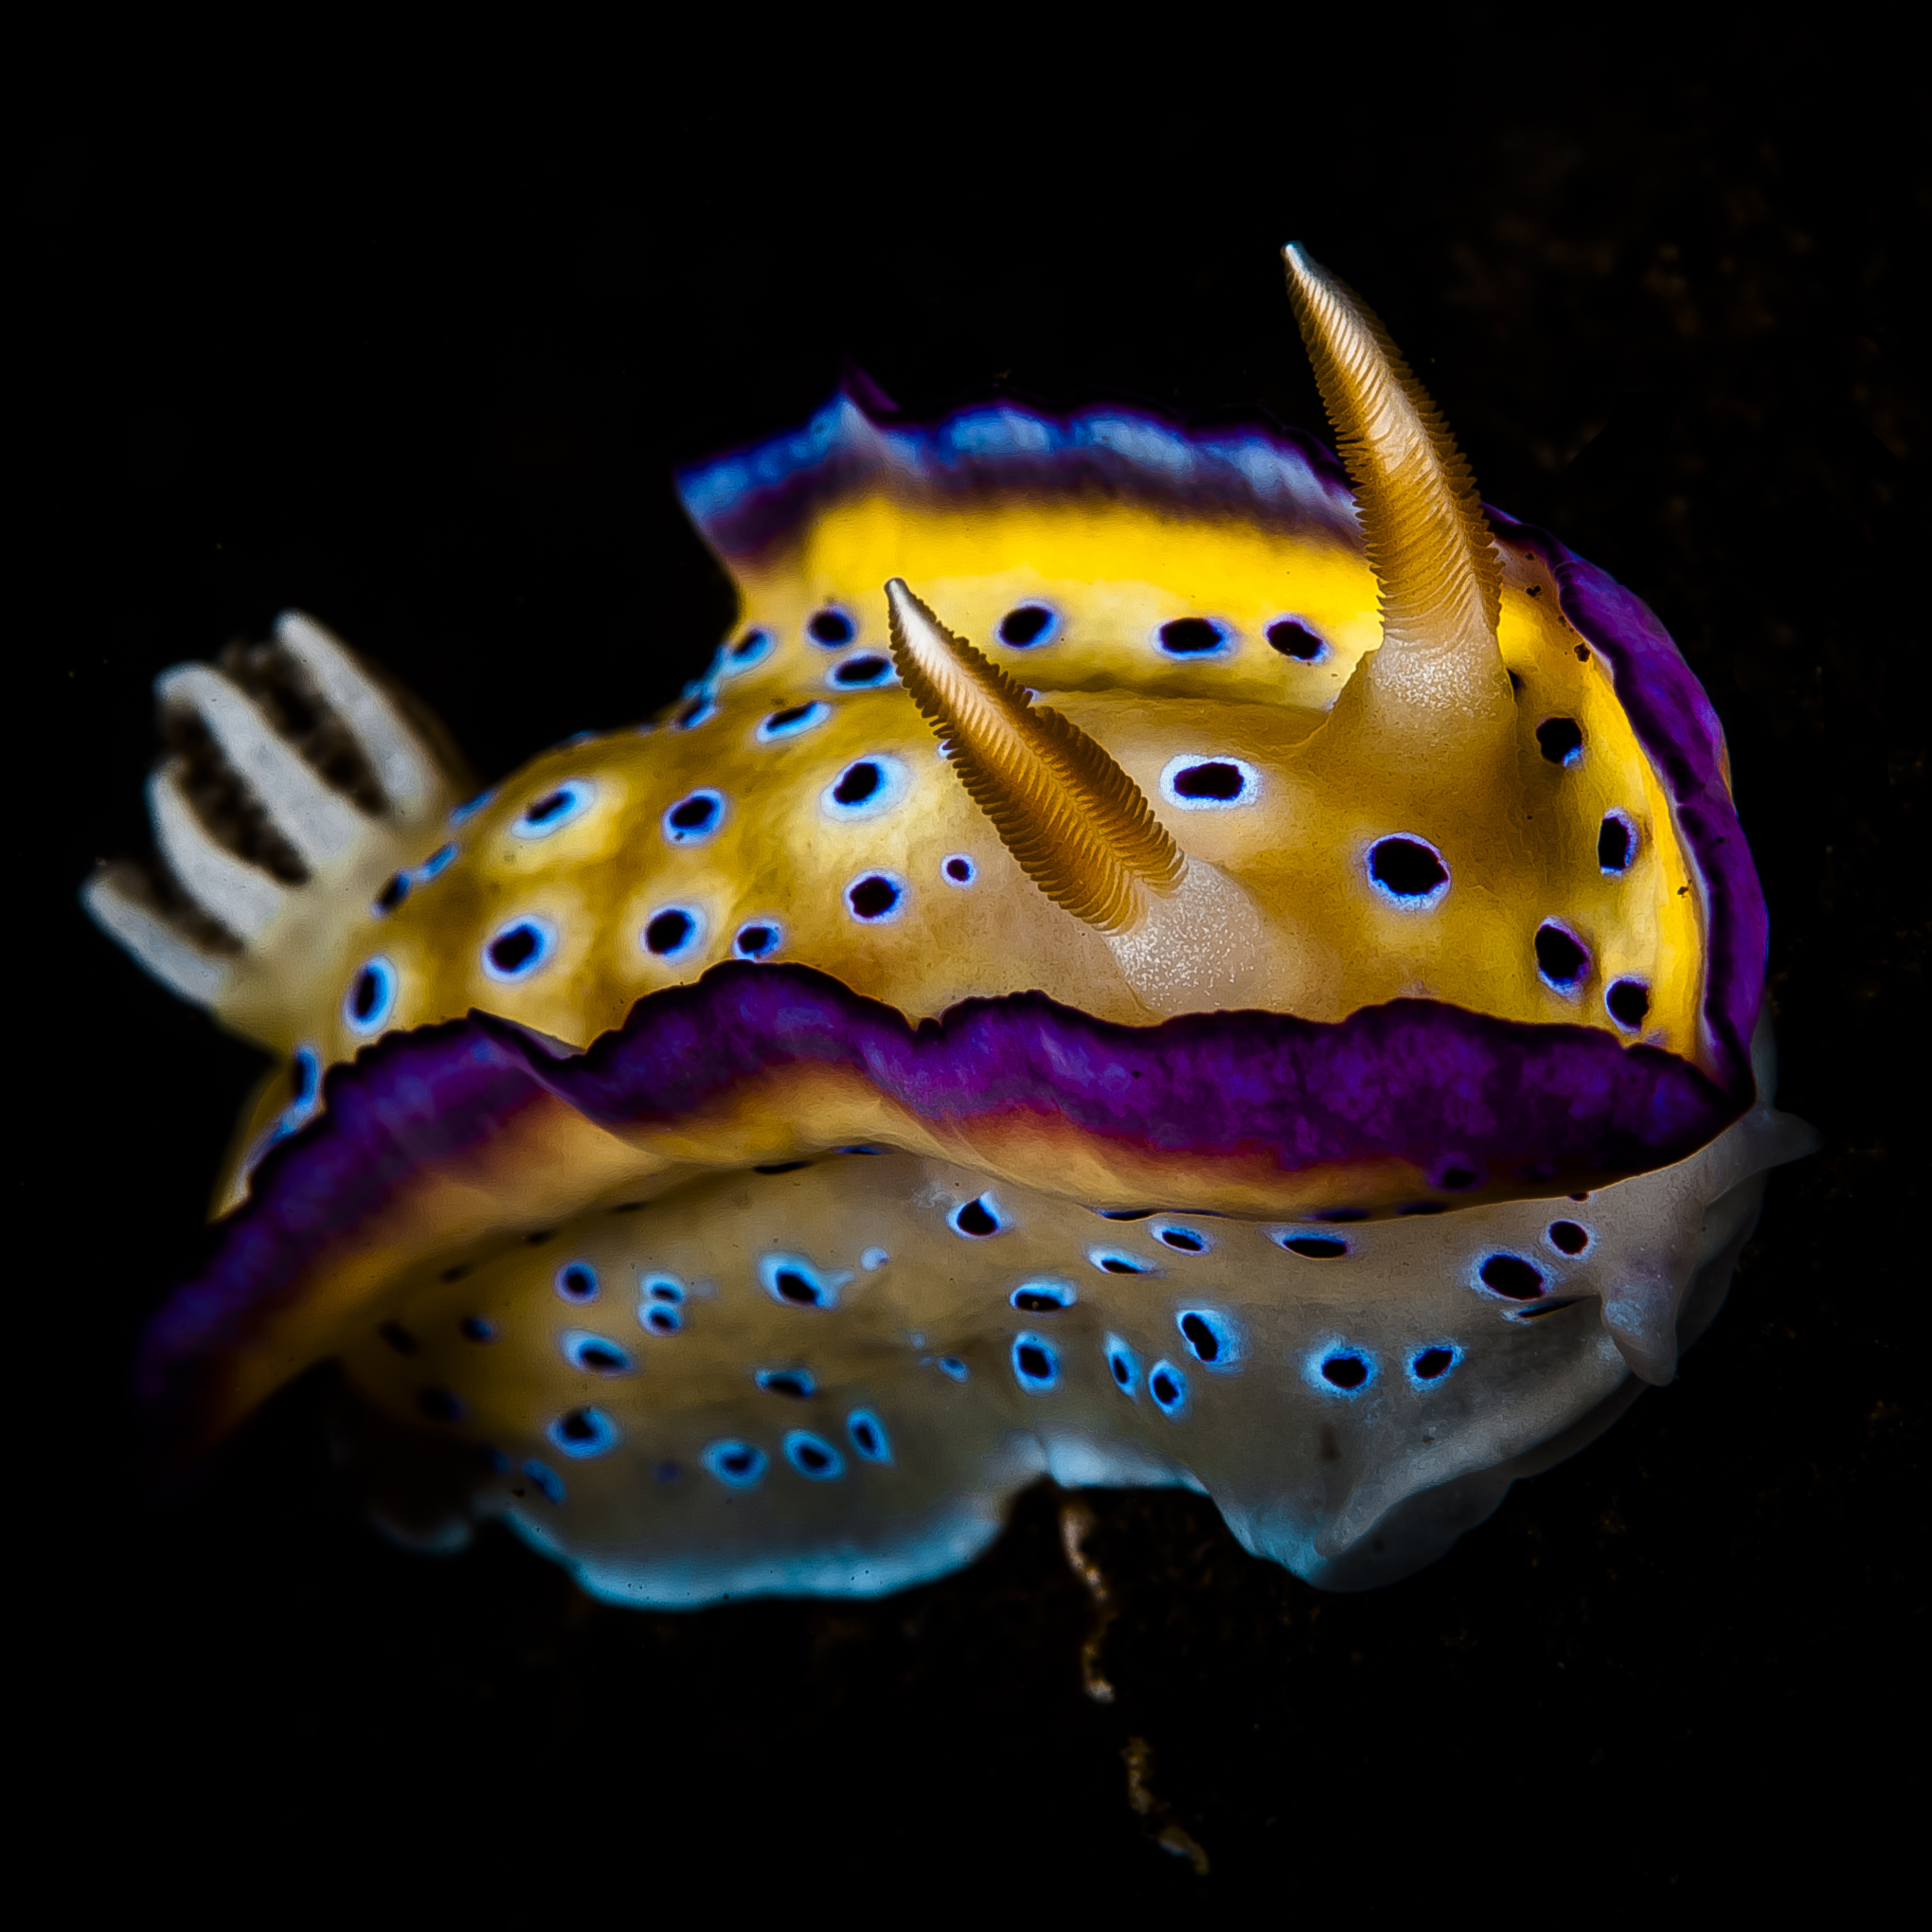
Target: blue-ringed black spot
x: 1511, y: 1276
x: 1318, y: 1247
x: 858, y: 782
x: 668, y: 932
x: 1628, y: 1001
x: 1294, y: 639
x: 1407, y: 870
x: 872, y: 898
x: 1560, y: 739
x: 1616, y: 842
x: 859, y: 673
x: 1189, y: 637
x: 794, y: 1382
x: 831, y: 628
x: 975, y: 1217
x: 1024, y: 625
x: 1558, y: 958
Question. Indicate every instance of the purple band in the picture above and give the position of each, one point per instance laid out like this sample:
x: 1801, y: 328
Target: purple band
x: 752, y: 500
x: 1472, y: 1101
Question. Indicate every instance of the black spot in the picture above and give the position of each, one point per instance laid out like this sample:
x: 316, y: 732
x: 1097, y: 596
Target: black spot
x: 1458, y: 1178
x: 872, y: 897
x: 1628, y: 1001
x: 1559, y: 957
x: 438, y: 1405
x: 663, y: 1321
x: 977, y: 1218
x: 393, y: 893
x: 577, y: 1426
x: 1119, y: 1264
x: 577, y: 1282
x: 1568, y: 1238
x: 1034, y: 1362
x: 548, y: 806
x: 1406, y: 866
x: 1189, y: 637
x: 1512, y: 1275
x: 781, y: 1167
x: 1024, y: 625
x: 869, y: 669
x: 1182, y: 1238
x: 629, y: 1207
x: 1030, y: 1302
x: 961, y: 870
x: 1161, y: 1386
x: 1345, y: 1371
x: 738, y: 1461
x: 1218, y: 779
x: 784, y: 1381
x: 755, y: 942
x: 538, y: 1236
x: 795, y: 1287
x: 1201, y: 1338
x: 865, y: 1436
x: 399, y: 1338
x: 790, y: 715
x: 456, y: 1273
x: 694, y: 813
x: 475, y: 1329
x: 1560, y: 738
x: 368, y: 996
x: 1123, y: 1213
x: 1340, y: 1214
x: 747, y: 644
x: 1582, y: 654
x: 829, y: 628
x: 1122, y: 1373
x: 667, y: 930
x: 515, y: 948
x: 1433, y: 1362
x: 1318, y: 1247
x: 1294, y: 641
x: 601, y: 1358
x: 858, y: 782
x: 1613, y: 844
x: 811, y: 1458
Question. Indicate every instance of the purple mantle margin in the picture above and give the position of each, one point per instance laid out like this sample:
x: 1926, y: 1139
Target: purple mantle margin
x: 1501, y: 1100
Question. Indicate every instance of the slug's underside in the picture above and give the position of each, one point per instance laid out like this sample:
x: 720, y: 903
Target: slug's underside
x: 1123, y: 914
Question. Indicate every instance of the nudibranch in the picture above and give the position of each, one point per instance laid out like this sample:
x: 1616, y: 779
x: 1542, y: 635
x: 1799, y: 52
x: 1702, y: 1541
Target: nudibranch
x: 1152, y: 957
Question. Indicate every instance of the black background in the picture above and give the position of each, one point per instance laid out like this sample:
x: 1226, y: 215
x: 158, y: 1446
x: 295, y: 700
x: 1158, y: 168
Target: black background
x: 418, y: 357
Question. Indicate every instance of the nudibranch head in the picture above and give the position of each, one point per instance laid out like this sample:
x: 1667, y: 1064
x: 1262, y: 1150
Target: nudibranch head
x: 1151, y: 955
